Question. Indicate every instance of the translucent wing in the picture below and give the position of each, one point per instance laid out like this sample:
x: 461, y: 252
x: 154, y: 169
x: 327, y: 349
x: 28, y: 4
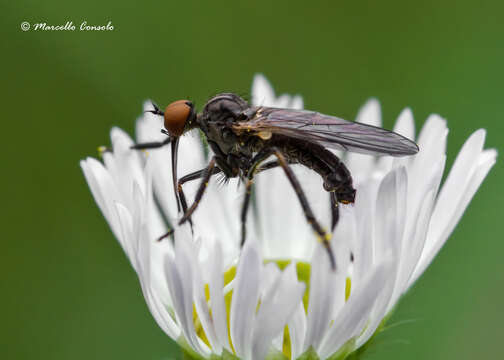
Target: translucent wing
x: 328, y: 131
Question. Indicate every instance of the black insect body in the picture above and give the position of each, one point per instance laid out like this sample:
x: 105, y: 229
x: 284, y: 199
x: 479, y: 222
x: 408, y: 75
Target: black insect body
x: 243, y: 137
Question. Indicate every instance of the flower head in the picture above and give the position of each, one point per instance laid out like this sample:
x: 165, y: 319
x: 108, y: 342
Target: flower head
x: 277, y: 296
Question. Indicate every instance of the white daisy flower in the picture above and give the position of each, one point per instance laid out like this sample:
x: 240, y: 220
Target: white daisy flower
x: 277, y: 297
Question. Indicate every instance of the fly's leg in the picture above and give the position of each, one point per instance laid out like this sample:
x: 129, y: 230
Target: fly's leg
x: 245, y: 206
x: 201, y: 190
x: 151, y: 145
x: 154, y: 144
x: 267, y: 166
x: 147, y: 145
x: 141, y: 146
x: 190, y: 177
x: 254, y: 169
x: 334, y: 209
x: 306, y: 207
x: 169, y: 233
x: 157, y: 144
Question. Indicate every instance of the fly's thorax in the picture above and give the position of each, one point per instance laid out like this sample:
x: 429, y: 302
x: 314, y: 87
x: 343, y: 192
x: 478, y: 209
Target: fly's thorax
x: 218, y: 113
x: 224, y: 107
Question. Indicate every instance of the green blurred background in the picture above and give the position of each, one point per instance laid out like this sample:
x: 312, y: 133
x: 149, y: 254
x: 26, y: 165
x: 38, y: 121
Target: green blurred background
x: 67, y: 290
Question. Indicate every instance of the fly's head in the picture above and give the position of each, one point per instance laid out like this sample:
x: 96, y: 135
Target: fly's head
x: 178, y: 117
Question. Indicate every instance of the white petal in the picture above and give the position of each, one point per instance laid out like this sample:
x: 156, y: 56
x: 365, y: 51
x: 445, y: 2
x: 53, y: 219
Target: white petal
x: 360, y: 164
x: 320, y: 303
x: 104, y: 191
x: 155, y: 223
x: 244, y: 301
x: 364, y: 218
x: 262, y: 92
x: 344, y: 244
x: 127, y: 234
x: 297, y: 103
x: 278, y: 206
x: 203, y: 311
x: 437, y: 239
x: 179, y: 272
x: 218, y: 306
x: 352, y: 317
x: 124, y: 164
x: 370, y: 113
x: 415, y: 247
x: 93, y: 183
x: 297, y: 331
x: 216, y: 216
x: 390, y: 215
x: 276, y: 308
x: 457, y: 180
x: 282, y: 101
x: 422, y: 167
x: 148, y: 126
x: 160, y: 314
x: 157, y: 305
x: 432, y: 132
x: 405, y: 125
x: 390, y: 220
x: 270, y: 276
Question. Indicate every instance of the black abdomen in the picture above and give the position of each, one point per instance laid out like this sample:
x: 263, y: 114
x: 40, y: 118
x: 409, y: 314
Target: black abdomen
x: 334, y: 173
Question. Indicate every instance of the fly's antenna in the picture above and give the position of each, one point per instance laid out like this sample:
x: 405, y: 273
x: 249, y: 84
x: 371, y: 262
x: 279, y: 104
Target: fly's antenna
x: 156, y: 110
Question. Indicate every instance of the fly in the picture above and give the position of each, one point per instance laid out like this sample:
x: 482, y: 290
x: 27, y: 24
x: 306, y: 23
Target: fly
x: 243, y: 137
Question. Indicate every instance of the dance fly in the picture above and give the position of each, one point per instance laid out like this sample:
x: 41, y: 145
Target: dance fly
x: 243, y: 138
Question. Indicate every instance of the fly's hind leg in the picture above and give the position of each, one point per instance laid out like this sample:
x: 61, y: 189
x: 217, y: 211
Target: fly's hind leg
x: 306, y: 207
x: 334, y: 210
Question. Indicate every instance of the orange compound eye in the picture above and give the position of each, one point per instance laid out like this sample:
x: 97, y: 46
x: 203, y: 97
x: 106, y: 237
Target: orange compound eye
x: 176, y: 115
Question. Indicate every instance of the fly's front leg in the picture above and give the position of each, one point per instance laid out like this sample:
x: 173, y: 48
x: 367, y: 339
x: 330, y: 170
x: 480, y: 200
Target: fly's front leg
x: 306, y: 207
x: 192, y: 176
x: 141, y: 146
x: 151, y: 145
x: 201, y: 190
